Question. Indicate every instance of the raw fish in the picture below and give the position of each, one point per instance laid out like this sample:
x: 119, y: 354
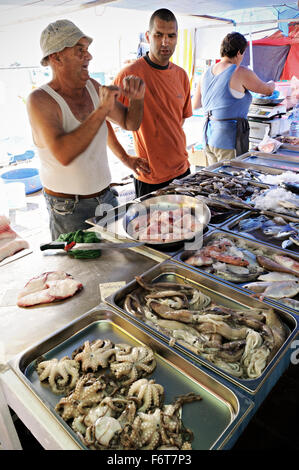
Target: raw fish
x: 48, y: 287
x: 276, y: 276
x: 12, y: 247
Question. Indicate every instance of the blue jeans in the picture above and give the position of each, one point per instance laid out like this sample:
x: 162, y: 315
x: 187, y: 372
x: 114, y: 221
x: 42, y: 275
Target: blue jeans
x: 69, y: 215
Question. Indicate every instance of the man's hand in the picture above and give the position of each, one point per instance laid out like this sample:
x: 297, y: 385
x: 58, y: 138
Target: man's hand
x: 133, y: 88
x: 108, y: 96
x: 137, y: 165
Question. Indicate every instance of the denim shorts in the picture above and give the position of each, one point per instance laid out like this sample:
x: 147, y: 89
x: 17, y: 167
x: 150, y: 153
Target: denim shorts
x: 69, y: 215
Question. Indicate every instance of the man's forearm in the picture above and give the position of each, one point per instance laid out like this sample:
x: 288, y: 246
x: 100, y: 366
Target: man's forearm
x: 134, y: 115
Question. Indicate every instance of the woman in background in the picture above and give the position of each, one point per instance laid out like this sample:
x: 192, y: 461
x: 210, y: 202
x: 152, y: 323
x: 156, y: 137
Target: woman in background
x: 225, y: 98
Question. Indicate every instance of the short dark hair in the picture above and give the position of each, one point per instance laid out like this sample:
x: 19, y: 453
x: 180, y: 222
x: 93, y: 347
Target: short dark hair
x: 232, y: 44
x: 162, y: 14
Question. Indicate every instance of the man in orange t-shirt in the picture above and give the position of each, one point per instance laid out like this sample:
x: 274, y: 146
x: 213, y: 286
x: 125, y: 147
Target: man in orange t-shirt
x: 160, y: 140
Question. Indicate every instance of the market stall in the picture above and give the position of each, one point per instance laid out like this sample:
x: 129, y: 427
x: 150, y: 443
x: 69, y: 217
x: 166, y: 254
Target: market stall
x: 218, y: 288
x: 173, y: 343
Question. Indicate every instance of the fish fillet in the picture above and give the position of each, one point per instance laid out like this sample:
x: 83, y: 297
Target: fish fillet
x: 5, y: 229
x: 47, y: 288
x: 12, y: 247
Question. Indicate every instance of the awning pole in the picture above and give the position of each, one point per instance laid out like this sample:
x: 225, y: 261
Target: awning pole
x: 250, y: 51
x: 250, y: 45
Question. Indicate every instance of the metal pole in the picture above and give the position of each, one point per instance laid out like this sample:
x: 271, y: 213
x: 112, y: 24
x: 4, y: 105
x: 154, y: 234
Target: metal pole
x: 250, y: 51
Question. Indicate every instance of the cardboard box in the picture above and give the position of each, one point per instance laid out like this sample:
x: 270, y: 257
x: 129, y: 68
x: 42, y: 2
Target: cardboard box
x: 197, y: 158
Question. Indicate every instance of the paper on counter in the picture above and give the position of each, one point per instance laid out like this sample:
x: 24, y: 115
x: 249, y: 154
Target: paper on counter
x: 108, y: 288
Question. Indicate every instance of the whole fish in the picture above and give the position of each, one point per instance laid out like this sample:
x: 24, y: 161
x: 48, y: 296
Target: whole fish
x: 250, y: 224
x: 292, y: 240
x: 276, y: 276
x: 284, y: 289
x: 279, y: 231
x: 259, y: 287
x: 277, y: 264
x: 287, y: 262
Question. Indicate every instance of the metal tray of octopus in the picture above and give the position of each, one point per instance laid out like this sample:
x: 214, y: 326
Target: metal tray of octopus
x: 266, y: 272
x: 239, y: 337
x: 114, y: 386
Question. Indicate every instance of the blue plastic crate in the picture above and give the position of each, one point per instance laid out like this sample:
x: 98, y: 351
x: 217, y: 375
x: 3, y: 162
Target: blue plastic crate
x: 28, y: 176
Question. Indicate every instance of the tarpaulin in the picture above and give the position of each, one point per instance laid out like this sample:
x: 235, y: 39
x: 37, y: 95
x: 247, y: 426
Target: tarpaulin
x: 268, y: 61
x: 274, y: 50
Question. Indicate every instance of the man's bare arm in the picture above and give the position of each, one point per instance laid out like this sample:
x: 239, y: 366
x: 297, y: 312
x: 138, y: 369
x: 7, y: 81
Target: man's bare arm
x: 130, y: 118
x: 46, y: 121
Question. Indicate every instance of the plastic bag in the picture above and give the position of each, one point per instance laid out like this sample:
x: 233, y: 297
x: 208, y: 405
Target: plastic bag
x: 268, y: 144
x: 295, y: 90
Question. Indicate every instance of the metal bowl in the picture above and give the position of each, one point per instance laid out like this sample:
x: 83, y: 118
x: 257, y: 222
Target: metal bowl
x: 267, y: 101
x: 168, y: 202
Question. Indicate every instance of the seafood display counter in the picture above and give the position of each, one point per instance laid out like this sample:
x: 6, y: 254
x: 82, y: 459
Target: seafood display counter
x: 22, y: 327
x: 214, y: 325
x: 209, y: 307
x: 212, y: 413
x: 254, y: 267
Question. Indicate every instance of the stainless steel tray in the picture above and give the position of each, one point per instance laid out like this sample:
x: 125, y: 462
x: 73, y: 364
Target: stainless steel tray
x: 258, y: 235
x: 288, y: 146
x: 220, y: 294
x: 267, y: 249
x: 111, y: 226
x: 191, y: 185
x: 239, y: 165
x: 214, y: 420
x: 112, y: 223
x: 266, y: 160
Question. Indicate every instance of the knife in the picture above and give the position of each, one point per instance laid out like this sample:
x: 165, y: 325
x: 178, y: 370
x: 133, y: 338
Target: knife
x: 87, y: 246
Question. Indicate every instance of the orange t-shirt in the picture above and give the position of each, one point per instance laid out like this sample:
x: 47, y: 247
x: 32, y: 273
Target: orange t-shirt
x: 160, y: 138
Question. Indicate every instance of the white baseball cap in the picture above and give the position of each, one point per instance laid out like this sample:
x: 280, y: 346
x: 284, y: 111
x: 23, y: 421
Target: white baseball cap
x: 59, y: 35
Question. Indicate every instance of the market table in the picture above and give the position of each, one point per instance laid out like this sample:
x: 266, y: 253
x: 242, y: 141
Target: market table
x: 21, y: 328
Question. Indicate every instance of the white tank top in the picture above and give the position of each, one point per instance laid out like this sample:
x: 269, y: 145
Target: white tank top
x: 89, y: 173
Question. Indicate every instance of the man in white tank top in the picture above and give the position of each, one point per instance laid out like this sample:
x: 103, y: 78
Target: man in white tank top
x: 68, y: 120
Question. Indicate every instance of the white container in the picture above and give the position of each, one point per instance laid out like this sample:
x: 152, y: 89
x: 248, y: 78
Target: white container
x: 284, y: 125
x: 4, y: 209
x: 257, y: 129
x: 16, y: 197
x: 284, y: 88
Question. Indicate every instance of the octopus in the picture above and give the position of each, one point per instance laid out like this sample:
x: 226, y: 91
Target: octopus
x: 61, y: 375
x: 89, y: 390
x: 94, y: 355
x: 104, y: 431
x: 163, y: 298
x: 108, y: 413
x: 132, y: 362
x: 218, y: 334
x: 101, y: 433
x: 160, y: 427
x: 148, y: 393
